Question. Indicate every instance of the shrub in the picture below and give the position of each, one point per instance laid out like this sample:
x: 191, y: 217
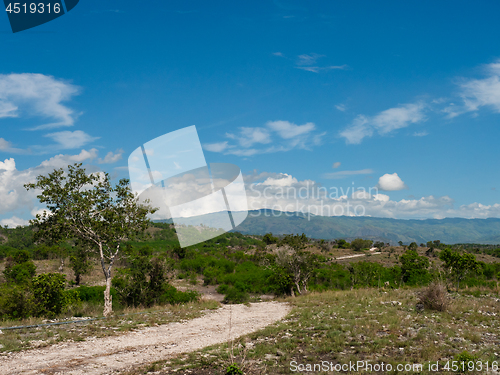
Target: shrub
x: 19, y: 268
x: 49, y: 298
x: 15, y: 302
x: 435, y: 297
x: 359, y: 244
x: 173, y: 296
x: 234, y: 295
x: 414, y: 267
x: 233, y: 370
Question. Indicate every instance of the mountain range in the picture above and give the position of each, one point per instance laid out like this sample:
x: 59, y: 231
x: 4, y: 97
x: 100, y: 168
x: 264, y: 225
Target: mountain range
x: 448, y: 230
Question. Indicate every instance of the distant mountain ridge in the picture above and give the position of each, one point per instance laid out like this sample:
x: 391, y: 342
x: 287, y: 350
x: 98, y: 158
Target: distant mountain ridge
x: 448, y: 230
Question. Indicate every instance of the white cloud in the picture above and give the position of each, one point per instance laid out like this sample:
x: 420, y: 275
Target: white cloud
x: 288, y: 130
x: 215, y: 147
x: 384, y: 123
x: 317, y: 69
x: 423, y: 133
x: 111, y: 157
x: 13, y: 222
x: 478, y: 93
x: 308, y: 59
x: 71, y: 139
x: 282, y: 180
x: 336, y: 165
x: 307, y: 196
x: 308, y: 62
x: 250, y: 136
x: 283, y: 135
x: 6, y: 146
x: 61, y: 161
x: 391, y: 182
x: 343, y: 174
x: 341, y: 107
x: 39, y: 95
x: 15, y: 199
x: 278, y: 54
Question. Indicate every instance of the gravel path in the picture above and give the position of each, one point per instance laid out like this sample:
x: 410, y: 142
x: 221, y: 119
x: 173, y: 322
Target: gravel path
x: 110, y: 355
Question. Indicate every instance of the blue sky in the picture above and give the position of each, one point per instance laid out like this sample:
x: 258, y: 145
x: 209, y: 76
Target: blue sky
x: 402, y: 96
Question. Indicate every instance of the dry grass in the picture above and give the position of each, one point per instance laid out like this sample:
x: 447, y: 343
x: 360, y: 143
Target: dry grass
x: 357, y: 325
x: 435, y: 297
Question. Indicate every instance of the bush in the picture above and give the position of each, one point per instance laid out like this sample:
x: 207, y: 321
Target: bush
x: 19, y: 268
x: 234, y: 295
x: 15, y: 302
x: 414, y: 268
x: 359, y: 244
x: 174, y: 297
x: 233, y: 370
x: 435, y: 297
x: 49, y: 298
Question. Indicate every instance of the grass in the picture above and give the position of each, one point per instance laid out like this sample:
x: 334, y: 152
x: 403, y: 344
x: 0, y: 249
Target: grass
x: 126, y: 320
x: 356, y: 325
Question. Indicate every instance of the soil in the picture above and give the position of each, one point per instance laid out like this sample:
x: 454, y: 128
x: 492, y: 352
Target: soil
x: 109, y: 355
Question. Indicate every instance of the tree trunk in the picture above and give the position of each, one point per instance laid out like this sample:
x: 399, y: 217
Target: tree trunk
x: 298, y: 287
x: 292, y: 293
x: 108, y: 307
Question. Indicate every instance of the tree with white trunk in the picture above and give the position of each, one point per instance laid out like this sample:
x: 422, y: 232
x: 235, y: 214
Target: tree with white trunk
x: 88, y: 208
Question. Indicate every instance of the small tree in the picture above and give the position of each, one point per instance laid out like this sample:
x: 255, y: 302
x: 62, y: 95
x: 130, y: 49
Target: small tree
x: 359, y: 244
x: 459, y: 266
x: 87, y: 207
x: 413, y: 246
x: 413, y: 266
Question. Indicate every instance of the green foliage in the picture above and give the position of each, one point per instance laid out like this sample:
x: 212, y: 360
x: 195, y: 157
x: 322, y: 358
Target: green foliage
x: 414, y: 268
x: 235, y: 295
x: 49, y: 298
x: 359, y: 244
x: 465, y: 357
x: 413, y: 246
x: 80, y: 263
x: 459, y: 266
x: 342, y: 244
x: 88, y: 208
x: 233, y: 370
x: 19, y: 268
x: 15, y: 302
x: 281, y: 281
x: 173, y: 296
x: 269, y: 239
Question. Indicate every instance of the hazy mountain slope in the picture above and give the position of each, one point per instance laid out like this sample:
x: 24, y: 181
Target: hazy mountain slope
x: 450, y: 230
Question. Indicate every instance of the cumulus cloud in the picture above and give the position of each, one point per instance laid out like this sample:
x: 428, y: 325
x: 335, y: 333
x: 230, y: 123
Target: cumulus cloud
x: 13, y: 222
x: 71, y: 139
x: 307, y: 196
x: 391, y: 182
x: 279, y: 135
x: 336, y: 165
x: 38, y: 95
x: 15, y: 200
x: 111, y: 157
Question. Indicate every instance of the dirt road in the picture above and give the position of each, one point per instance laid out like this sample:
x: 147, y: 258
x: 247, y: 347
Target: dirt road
x: 114, y: 354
